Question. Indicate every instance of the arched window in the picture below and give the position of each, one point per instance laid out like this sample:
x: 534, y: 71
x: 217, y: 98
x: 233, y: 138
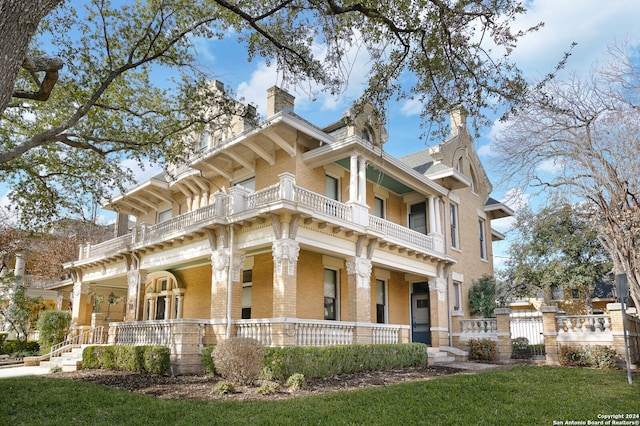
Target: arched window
x: 474, y: 180
x: 163, y: 297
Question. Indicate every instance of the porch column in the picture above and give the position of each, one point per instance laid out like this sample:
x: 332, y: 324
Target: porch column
x: 353, y: 178
x: 359, y: 293
x: 236, y: 284
x: 362, y: 181
x: 136, y: 280
x: 432, y: 215
x: 285, y: 259
x: 81, y: 312
x: 219, y: 283
x: 503, y: 320
x: 439, y: 312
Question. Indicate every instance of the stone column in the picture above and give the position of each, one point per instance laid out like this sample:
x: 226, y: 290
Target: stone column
x: 136, y: 281
x: 362, y: 181
x: 353, y: 178
x: 439, y: 312
x: 219, y: 283
x: 81, y: 314
x: 503, y: 317
x: 359, y: 293
x: 550, y: 333
x: 285, y: 259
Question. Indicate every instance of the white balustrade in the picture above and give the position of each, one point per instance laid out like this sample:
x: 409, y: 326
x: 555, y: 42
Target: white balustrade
x: 481, y: 328
x: 385, y: 334
x: 324, y: 333
x: 254, y: 329
x: 322, y: 204
x: 401, y: 233
x: 144, y: 333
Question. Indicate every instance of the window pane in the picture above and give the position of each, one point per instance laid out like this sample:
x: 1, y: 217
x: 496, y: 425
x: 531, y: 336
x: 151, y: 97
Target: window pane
x: 331, y: 185
x: 378, y: 207
x: 330, y: 294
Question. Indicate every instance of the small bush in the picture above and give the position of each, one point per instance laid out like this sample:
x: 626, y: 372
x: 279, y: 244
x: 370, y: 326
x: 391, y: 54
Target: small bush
x: 296, y: 382
x: 268, y: 388
x: 207, y: 360
x: 3, y: 337
x: 265, y: 374
x: 587, y: 356
x: 157, y: 359
x: 239, y: 359
x: 224, y: 387
x: 482, y: 349
x: 53, y: 326
x: 91, y: 357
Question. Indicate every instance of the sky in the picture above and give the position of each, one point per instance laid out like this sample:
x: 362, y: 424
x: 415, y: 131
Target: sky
x: 592, y: 24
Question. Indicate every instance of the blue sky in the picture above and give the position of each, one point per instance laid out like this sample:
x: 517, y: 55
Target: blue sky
x: 593, y: 24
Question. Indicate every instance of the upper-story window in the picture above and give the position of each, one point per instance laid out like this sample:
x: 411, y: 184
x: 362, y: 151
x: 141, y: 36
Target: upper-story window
x: 483, y: 238
x: 332, y: 188
x: 164, y: 215
x: 379, y: 207
x: 457, y: 297
x: 459, y: 165
x: 367, y: 135
x: 453, y: 223
x: 418, y: 217
x: 249, y: 184
x: 203, y: 141
x: 474, y: 180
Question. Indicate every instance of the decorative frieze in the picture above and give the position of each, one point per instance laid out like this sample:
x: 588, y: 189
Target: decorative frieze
x: 285, y: 249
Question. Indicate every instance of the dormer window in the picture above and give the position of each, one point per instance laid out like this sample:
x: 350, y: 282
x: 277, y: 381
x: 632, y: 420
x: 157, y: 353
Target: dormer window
x: 203, y: 142
x: 367, y: 134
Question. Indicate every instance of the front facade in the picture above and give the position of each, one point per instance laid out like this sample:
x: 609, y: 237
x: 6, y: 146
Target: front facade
x: 296, y: 235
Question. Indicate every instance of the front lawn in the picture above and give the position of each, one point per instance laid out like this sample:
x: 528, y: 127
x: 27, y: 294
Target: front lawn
x: 518, y: 396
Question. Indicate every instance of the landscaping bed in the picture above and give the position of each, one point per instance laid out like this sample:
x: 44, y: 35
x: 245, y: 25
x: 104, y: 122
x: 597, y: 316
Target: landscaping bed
x: 202, y: 387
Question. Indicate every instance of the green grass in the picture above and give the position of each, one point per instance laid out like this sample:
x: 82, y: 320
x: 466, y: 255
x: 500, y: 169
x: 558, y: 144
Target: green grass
x: 518, y: 396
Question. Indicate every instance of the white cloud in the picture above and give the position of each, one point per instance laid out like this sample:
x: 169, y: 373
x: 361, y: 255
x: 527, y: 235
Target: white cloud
x: 411, y: 107
x: 517, y: 200
x: 551, y: 166
x: 592, y: 24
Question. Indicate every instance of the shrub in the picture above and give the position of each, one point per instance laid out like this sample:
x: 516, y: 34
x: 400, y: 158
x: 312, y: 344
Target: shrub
x: 153, y: 359
x: 268, y: 388
x: 207, y: 360
x: 53, y: 326
x: 3, y: 337
x: 587, y: 356
x: 157, y: 359
x: 331, y: 360
x: 296, y: 382
x: 482, y: 349
x: 223, y: 387
x: 239, y: 359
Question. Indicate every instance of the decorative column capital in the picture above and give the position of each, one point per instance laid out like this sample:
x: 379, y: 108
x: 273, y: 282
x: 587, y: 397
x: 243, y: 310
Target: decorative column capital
x: 285, y: 249
x: 439, y: 284
x: 220, y: 263
x: 361, y: 268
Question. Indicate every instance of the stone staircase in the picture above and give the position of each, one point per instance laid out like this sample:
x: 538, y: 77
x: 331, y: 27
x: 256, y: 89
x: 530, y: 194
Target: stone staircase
x: 67, y: 361
x: 445, y: 354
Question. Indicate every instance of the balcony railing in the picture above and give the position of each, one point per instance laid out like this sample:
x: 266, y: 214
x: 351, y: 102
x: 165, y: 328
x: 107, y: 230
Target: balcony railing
x: 225, y: 206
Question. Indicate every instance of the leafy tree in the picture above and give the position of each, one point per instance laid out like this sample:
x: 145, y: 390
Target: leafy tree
x: 111, y: 101
x: 482, y: 297
x: 53, y: 327
x: 556, y: 247
x: 18, y: 310
x: 589, y: 128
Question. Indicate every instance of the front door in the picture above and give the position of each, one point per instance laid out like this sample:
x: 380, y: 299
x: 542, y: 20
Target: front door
x: 420, y: 314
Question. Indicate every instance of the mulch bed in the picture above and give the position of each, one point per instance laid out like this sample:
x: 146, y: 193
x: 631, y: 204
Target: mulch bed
x: 201, y: 387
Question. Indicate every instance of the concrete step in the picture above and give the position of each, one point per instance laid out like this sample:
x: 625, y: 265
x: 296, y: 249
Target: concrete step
x: 71, y: 365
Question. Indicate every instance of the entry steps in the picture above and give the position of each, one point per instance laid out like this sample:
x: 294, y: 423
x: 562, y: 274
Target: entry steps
x: 67, y: 361
x: 445, y: 355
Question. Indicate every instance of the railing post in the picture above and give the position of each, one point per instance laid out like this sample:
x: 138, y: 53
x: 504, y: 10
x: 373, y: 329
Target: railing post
x: 503, y: 321
x: 238, y: 199
x: 287, y: 182
x: 550, y: 333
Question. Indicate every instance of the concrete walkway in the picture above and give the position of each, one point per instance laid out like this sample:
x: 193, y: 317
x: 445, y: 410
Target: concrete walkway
x: 21, y: 370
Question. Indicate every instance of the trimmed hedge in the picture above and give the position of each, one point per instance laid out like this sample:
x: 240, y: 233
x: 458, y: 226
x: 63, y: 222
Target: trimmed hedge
x: 152, y: 359
x: 12, y: 347
x: 482, y: 349
x: 588, y: 356
x: 314, y: 362
x: 207, y: 360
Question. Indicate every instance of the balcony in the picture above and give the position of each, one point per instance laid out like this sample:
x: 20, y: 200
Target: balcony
x: 241, y: 204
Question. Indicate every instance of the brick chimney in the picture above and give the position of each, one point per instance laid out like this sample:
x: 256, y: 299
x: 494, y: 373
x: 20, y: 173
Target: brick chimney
x: 278, y: 100
x: 457, y: 119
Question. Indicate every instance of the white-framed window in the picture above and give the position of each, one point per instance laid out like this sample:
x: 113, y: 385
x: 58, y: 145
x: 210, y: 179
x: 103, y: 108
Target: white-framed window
x: 163, y: 298
x: 418, y: 217
x: 247, y: 293
x: 331, y: 292
x: 381, y: 301
x: 457, y: 297
x: 483, y: 238
x: 249, y: 183
x: 203, y: 141
x: 164, y: 215
x: 332, y: 187
x: 453, y: 223
x: 379, y: 207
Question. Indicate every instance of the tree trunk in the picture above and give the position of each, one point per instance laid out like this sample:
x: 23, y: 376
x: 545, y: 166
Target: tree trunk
x: 19, y: 20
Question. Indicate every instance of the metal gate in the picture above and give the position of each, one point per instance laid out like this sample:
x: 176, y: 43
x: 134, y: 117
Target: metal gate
x: 527, y: 341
